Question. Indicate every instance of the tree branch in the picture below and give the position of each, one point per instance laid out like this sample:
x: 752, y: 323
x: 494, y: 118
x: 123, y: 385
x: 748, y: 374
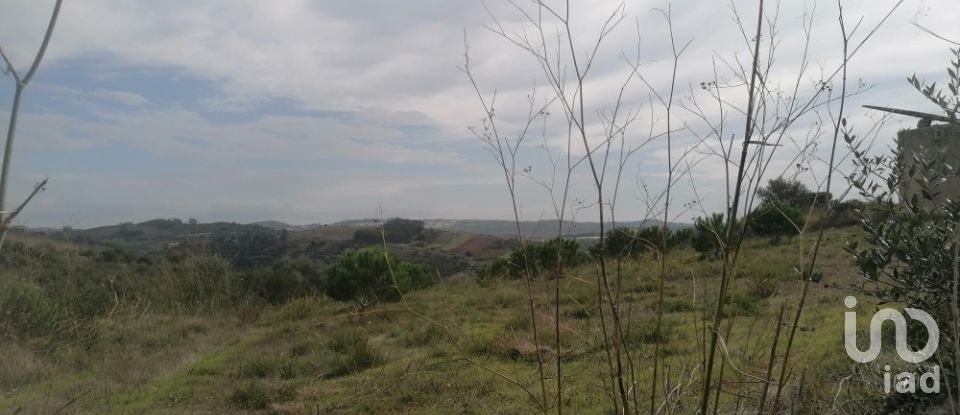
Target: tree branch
x: 37, y: 188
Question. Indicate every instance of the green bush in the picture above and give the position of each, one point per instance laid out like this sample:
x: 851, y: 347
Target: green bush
x: 394, y: 231
x: 26, y: 311
x: 745, y: 304
x: 277, y: 286
x: 353, y: 353
x: 402, y: 230
x: 620, y: 243
x: 555, y: 252
x: 513, y: 265
x: 259, y: 368
x: 286, y: 279
x: 311, y: 272
x: 791, y: 192
x: 846, y: 213
x: 681, y: 237
x: 198, y: 283
x: 250, y: 396
x: 776, y: 220
x: 368, y: 236
x: 207, y: 282
x: 540, y: 257
x: 678, y: 305
x: 646, y: 333
x: 254, y: 395
x: 87, y: 283
x: 708, y: 236
x: 372, y: 275
x: 250, y: 248
x: 763, y: 285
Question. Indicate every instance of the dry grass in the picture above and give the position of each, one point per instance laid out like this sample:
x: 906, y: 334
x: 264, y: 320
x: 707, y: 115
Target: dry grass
x: 315, y: 354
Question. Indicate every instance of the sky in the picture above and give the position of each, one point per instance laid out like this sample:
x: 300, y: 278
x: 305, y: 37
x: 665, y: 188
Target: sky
x: 319, y: 111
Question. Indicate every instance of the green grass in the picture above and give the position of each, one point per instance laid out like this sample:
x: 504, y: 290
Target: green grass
x: 315, y: 354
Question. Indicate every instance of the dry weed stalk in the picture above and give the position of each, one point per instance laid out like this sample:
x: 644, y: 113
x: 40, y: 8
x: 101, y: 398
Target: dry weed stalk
x: 21, y: 82
x: 769, y: 117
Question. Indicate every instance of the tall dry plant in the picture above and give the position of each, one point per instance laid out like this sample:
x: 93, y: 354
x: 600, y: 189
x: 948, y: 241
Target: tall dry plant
x: 605, y: 153
x: 601, y: 137
x: 20, y: 84
x: 770, y: 115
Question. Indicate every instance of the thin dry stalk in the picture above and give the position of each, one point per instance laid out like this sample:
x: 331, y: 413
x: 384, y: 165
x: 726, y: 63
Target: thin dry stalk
x: 723, y: 364
x: 574, y: 108
x: 21, y: 84
x: 505, y: 154
x: 808, y: 275
x: 770, y: 363
x: 731, y: 215
x: 664, y: 230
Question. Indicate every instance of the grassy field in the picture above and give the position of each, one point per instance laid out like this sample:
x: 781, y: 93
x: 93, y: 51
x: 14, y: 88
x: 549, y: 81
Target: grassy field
x: 451, y: 348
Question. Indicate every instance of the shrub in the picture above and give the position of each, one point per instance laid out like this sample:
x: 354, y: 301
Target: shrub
x: 620, y: 242
x: 310, y: 271
x: 353, y: 353
x: 20, y: 366
x: 556, y: 251
x: 370, y: 274
x: 632, y: 243
x: 276, y: 285
x: 519, y: 262
x: 681, y: 237
x: 301, y: 308
x: 678, y: 305
x: 86, y: 284
x: 708, y: 236
x: 25, y: 311
x: 423, y: 335
x: 646, y: 333
x: 487, y: 274
x: 513, y: 265
x: 86, y: 294
x: 202, y: 283
x: 790, y: 192
x: 302, y: 348
x: 776, y: 220
x: 394, y: 231
x: 402, y: 230
x: 846, y: 213
x: 744, y: 304
x: 259, y: 368
x: 253, y: 395
x: 368, y: 236
x: 764, y: 285
x: 250, y: 248
x: 540, y: 257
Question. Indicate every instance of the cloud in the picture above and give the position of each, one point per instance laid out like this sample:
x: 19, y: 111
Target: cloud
x: 186, y: 135
x: 123, y: 97
x: 374, y: 87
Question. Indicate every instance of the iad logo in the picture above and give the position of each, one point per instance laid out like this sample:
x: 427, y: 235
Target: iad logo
x: 906, y: 381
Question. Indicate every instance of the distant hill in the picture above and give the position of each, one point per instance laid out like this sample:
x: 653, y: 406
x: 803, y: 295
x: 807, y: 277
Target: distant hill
x: 280, y: 225
x: 272, y: 224
x: 508, y: 228
x: 261, y: 243
x: 457, y: 235
x: 157, y: 233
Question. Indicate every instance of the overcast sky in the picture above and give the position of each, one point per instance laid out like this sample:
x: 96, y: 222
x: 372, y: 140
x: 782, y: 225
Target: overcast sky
x: 319, y: 111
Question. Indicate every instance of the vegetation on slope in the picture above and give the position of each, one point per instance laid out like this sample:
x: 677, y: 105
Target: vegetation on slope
x: 441, y: 355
